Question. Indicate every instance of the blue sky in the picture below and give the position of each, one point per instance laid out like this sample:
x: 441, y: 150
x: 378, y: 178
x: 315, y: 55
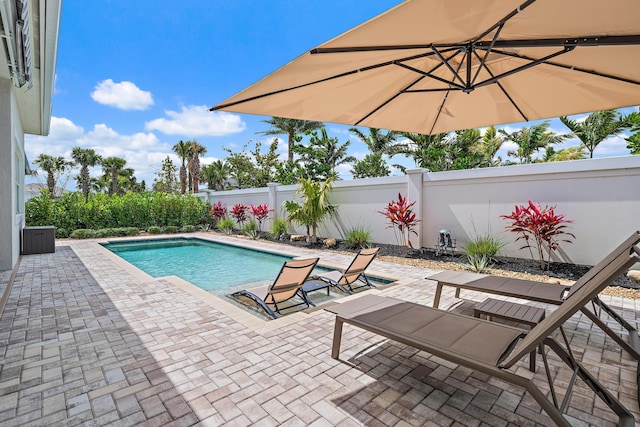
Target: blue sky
x: 135, y: 77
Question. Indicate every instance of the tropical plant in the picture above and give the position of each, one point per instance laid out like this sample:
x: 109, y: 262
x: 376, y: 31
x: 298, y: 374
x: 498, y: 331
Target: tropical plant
x: 427, y: 151
x: 239, y: 212
x: 251, y: 229
x: 402, y: 220
x: 486, y: 245
x: 253, y: 169
x: 226, y: 225
x: 530, y: 140
x: 292, y: 128
x: 540, y: 228
x: 358, y: 238
x: 165, y: 180
x: 195, y: 151
x: 571, y: 153
x: 379, y: 142
x: 373, y: 165
x: 215, y: 174
x: 53, y: 167
x: 634, y: 138
x: 218, y: 211
x: 322, y: 156
x: 182, y: 150
x: 86, y: 158
x: 260, y: 213
x: 478, y: 263
x: 312, y: 207
x: 111, y: 167
x: 597, y: 127
x: 278, y: 229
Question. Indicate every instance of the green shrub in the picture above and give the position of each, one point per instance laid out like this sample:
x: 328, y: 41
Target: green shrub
x: 478, y: 263
x: 251, y: 229
x: 172, y: 229
x: 104, y: 232
x: 137, y: 210
x: 226, y: 225
x: 358, y: 238
x: 487, y: 245
x: 61, y: 233
x: 83, y: 233
x: 278, y: 229
x: 188, y: 229
x: 154, y: 229
x: 131, y: 231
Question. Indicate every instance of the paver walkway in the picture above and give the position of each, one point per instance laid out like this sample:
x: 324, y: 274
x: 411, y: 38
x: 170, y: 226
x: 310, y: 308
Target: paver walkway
x: 86, y: 341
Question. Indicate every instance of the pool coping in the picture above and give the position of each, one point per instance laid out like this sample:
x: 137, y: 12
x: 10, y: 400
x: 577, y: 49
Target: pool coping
x: 244, y: 317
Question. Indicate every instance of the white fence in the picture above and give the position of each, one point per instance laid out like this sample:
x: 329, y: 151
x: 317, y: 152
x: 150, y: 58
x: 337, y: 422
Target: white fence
x: 600, y: 196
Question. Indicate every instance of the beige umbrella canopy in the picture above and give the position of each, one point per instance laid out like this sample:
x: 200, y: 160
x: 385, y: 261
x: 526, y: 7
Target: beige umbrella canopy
x: 430, y: 66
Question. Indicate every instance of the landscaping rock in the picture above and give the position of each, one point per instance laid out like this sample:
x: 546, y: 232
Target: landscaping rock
x: 634, y: 275
x: 298, y: 238
x: 330, y: 242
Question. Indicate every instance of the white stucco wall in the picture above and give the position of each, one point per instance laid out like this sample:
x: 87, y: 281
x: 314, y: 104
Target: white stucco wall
x: 600, y: 196
x: 11, y: 162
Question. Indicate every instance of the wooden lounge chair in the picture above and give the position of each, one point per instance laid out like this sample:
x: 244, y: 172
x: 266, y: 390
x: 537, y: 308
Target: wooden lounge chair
x: 347, y: 278
x: 287, y: 285
x: 488, y: 347
x: 547, y: 293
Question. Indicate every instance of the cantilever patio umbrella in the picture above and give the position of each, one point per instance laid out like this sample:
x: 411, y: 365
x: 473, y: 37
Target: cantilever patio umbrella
x: 430, y: 66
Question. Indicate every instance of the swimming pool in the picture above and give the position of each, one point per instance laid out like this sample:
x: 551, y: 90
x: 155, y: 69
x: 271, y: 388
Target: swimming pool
x: 212, y: 266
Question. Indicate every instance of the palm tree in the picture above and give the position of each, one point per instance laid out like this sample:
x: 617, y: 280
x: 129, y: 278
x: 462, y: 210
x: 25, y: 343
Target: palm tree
x: 577, y: 152
x: 323, y: 155
x: 292, y: 128
x: 489, y: 146
x: 112, y: 167
x: 531, y: 140
x: 182, y: 150
x: 427, y: 151
x: 314, y: 205
x: 86, y: 158
x: 597, y: 127
x: 379, y: 142
x: 53, y: 166
x: 215, y: 174
x: 195, y: 151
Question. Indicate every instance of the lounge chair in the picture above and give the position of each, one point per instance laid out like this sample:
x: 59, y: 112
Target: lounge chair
x: 286, y: 286
x: 489, y: 347
x: 547, y: 293
x: 346, y: 278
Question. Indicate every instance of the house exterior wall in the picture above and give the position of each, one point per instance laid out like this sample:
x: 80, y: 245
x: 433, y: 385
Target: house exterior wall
x: 600, y: 196
x: 11, y: 177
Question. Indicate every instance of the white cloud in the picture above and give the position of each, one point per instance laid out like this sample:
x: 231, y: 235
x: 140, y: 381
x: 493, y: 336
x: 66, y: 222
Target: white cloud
x: 197, y: 120
x: 144, y: 152
x: 124, y: 95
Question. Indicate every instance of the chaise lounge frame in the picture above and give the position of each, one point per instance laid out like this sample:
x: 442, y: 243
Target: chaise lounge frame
x: 548, y: 293
x: 287, y: 285
x: 488, y: 347
x: 350, y: 275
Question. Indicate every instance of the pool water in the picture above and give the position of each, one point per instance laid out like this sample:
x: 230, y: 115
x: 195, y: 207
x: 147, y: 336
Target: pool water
x: 208, y: 265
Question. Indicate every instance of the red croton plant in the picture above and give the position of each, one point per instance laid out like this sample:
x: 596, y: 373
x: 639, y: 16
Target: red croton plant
x: 260, y: 213
x: 539, y: 228
x: 402, y: 219
x: 218, y: 211
x: 239, y: 212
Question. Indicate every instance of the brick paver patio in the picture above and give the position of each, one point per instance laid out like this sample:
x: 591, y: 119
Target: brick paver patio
x: 86, y: 340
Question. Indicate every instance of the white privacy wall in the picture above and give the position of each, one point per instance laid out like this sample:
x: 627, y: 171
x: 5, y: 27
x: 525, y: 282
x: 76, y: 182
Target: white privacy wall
x: 601, y: 196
